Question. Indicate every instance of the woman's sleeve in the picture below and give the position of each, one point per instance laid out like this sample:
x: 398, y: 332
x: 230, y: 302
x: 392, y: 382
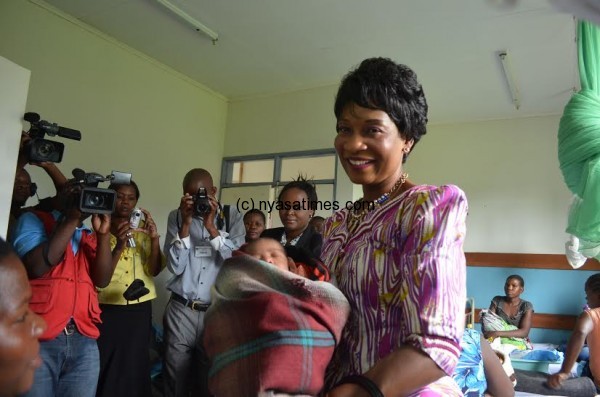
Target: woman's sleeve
x: 437, y: 274
x: 495, y: 303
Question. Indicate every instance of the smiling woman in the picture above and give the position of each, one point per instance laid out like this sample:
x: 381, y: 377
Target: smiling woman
x: 20, y: 328
x: 400, y: 263
x: 296, y: 202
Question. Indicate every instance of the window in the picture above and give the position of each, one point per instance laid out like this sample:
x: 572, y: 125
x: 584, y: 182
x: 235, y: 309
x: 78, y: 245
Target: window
x: 255, y: 181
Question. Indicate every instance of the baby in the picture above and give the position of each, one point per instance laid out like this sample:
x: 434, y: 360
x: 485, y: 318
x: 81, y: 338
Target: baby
x: 297, y: 260
x: 273, y: 324
x: 271, y: 251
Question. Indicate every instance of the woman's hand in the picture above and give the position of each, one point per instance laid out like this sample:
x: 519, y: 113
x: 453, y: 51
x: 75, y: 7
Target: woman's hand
x: 490, y: 334
x: 149, y: 226
x: 123, y: 233
x: 555, y: 381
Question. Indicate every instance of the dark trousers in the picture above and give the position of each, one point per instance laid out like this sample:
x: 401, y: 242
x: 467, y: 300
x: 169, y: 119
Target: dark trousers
x: 186, y: 367
x: 124, y: 346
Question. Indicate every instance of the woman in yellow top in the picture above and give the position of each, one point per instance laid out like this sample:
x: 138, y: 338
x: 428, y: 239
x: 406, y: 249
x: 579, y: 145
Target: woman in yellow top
x: 126, y: 322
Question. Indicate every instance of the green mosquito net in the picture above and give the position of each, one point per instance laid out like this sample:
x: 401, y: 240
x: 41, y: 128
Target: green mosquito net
x: 579, y: 144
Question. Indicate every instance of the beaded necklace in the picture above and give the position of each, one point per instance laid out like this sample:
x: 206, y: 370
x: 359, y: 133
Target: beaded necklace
x: 356, y: 217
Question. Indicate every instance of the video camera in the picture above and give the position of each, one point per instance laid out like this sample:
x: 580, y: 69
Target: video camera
x: 94, y: 200
x: 39, y: 149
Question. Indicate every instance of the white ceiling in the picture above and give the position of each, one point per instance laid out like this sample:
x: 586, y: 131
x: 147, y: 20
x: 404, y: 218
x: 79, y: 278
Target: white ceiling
x: 274, y: 46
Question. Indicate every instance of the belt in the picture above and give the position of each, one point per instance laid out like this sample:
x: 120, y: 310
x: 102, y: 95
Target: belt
x: 70, y: 328
x: 199, y: 306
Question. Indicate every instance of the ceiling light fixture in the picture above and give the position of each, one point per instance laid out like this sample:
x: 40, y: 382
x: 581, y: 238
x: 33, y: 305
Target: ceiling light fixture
x: 510, y: 78
x: 200, y: 27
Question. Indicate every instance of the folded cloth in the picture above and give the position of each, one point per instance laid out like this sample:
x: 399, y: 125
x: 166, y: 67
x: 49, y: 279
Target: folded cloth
x: 270, y: 330
x: 543, y: 355
x: 490, y: 321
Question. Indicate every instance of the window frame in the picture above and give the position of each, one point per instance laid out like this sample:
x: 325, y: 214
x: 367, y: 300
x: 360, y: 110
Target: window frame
x: 227, y: 168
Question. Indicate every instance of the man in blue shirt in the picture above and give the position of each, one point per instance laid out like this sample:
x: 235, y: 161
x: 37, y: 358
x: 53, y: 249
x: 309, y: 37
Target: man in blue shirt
x: 196, y: 245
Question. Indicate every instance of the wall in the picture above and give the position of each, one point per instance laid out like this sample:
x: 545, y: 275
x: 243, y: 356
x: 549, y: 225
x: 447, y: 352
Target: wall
x: 14, y: 82
x: 135, y: 114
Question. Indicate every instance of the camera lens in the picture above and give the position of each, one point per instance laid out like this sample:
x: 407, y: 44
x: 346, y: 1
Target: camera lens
x: 45, y: 149
x: 94, y: 200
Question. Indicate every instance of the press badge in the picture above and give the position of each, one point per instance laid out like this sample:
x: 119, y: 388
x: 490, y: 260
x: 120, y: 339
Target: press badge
x: 202, y: 251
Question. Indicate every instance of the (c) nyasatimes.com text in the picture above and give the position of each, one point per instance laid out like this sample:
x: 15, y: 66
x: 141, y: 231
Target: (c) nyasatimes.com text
x: 244, y: 205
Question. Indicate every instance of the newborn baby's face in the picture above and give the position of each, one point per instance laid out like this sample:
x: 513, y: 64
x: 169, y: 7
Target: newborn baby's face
x: 268, y: 250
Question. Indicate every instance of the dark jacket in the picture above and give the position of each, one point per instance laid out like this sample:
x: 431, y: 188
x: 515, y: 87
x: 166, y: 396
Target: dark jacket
x: 310, y: 240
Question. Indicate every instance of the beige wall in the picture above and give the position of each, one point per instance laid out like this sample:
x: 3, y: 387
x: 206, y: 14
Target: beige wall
x: 134, y: 114
x: 509, y: 170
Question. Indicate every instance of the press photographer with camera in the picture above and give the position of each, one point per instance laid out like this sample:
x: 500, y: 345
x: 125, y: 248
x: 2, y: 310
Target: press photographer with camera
x: 24, y: 188
x: 65, y: 262
x: 124, y: 340
x: 200, y: 236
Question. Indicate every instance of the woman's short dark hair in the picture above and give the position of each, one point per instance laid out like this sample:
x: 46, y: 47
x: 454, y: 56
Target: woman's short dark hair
x: 255, y: 211
x: 382, y: 84
x: 516, y: 277
x: 303, y: 184
x: 115, y: 186
x: 593, y: 283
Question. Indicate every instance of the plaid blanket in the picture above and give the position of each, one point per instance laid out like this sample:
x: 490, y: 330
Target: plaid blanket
x: 270, y: 330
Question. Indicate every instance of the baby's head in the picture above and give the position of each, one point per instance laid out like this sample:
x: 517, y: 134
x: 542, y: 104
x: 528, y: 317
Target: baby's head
x: 268, y: 250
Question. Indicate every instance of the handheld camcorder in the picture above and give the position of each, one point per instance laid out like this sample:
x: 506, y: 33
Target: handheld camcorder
x: 201, y: 202
x: 39, y: 149
x: 94, y: 200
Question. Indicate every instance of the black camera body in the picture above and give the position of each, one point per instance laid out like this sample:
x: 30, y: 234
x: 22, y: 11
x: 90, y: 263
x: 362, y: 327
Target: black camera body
x: 136, y: 290
x: 39, y: 149
x: 95, y: 200
x: 201, y: 202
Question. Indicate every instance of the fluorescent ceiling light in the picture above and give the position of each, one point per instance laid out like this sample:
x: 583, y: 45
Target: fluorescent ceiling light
x: 510, y: 78
x: 199, y: 26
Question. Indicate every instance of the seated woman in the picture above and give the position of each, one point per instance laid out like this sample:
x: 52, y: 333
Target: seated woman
x: 296, y: 201
x: 586, y: 327
x: 270, y: 329
x: 509, y: 316
x: 254, y: 222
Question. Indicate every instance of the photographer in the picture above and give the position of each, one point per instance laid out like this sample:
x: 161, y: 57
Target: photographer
x: 23, y: 188
x: 65, y: 261
x: 199, y: 238
x: 126, y: 305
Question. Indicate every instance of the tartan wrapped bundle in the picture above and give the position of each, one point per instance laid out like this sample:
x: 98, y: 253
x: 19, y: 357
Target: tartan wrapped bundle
x: 269, y: 330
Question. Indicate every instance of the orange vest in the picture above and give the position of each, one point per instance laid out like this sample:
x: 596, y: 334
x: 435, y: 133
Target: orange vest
x: 67, y: 290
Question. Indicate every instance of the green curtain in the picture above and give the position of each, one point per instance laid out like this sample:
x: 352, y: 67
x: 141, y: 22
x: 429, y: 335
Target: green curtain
x: 579, y: 140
